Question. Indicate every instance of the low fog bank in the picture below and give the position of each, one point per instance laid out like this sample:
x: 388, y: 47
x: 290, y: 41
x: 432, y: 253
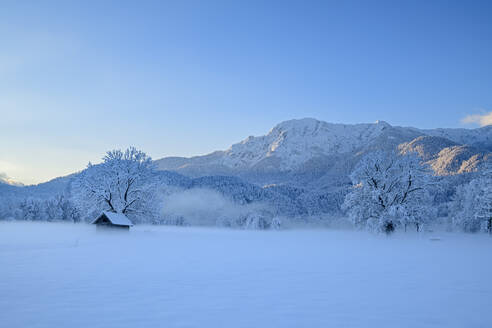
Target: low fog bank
x: 206, y: 207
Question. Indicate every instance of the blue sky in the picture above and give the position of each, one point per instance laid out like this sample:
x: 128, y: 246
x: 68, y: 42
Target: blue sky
x: 185, y: 78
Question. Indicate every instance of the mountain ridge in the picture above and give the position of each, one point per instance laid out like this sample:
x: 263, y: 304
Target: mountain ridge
x: 301, y: 145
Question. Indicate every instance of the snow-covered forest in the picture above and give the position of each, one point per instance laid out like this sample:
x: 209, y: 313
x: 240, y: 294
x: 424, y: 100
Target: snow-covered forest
x: 385, y: 185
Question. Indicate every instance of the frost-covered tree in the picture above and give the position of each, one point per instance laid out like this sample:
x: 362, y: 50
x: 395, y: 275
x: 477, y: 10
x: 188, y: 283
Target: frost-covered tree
x: 389, y: 190
x: 122, y: 183
x: 52, y: 209
x: 472, y: 204
x: 464, y: 205
x: 60, y: 208
x: 6, y: 208
x: 276, y: 223
x: 484, y: 213
x: 256, y: 221
x: 31, y: 210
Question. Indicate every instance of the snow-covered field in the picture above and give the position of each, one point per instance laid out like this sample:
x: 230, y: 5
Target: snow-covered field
x: 62, y: 275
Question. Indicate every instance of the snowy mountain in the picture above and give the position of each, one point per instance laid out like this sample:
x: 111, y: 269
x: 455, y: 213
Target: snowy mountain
x: 286, y: 147
x: 308, y: 146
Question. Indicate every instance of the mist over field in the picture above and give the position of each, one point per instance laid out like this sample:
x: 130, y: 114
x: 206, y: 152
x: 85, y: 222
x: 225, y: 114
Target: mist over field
x: 205, y: 207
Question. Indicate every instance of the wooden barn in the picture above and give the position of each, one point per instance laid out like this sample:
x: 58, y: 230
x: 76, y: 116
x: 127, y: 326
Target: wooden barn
x: 112, y: 220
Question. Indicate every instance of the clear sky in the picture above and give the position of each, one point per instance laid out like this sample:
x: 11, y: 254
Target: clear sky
x: 184, y: 78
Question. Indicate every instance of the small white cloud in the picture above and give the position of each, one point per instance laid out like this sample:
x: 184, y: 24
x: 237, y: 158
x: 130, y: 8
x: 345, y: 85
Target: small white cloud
x: 480, y: 119
x: 4, y: 178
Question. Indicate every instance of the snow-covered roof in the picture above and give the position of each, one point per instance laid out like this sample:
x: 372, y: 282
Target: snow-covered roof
x: 116, y: 218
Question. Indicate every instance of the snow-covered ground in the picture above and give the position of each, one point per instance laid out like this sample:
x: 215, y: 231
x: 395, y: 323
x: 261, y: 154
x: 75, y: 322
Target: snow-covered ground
x: 62, y: 275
